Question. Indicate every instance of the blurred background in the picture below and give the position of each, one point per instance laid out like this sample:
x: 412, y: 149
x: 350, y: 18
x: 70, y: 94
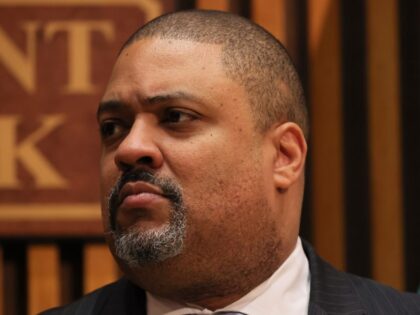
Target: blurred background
x: 359, y: 64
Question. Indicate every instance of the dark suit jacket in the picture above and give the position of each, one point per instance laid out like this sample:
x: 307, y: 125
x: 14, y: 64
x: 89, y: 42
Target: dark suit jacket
x: 332, y: 292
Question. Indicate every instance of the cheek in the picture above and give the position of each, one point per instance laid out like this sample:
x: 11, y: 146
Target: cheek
x: 108, y: 172
x: 214, y: 165
x: 226, y: 200
x: 219, y: 184
x: 108, y: 177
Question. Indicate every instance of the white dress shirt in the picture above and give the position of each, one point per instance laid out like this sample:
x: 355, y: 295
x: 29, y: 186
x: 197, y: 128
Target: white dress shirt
x: 285, y: 292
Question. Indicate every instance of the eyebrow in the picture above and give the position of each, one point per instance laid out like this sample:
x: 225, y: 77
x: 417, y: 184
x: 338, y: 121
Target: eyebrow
x: 162, y: 98
x: 114, y: 105
x: 109, y: 106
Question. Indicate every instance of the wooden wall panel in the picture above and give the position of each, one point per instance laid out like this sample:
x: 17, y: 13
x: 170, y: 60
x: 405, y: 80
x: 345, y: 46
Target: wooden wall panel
x: 326, y: 133
x: 99, y: 267
x: 43, y: 277
x: 221, y: 5
x: 385, y: 146
x: 271, y: 14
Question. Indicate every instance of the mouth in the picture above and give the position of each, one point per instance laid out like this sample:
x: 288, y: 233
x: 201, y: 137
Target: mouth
x: 139, y: 194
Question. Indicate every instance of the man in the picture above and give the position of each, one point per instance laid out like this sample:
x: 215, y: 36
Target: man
x: 203, y: 128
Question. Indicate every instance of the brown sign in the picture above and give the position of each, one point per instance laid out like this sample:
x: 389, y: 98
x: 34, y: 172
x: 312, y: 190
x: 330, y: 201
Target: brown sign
x: 55, y: 59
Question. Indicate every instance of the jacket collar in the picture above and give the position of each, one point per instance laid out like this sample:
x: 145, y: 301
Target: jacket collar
x: 331, y: 290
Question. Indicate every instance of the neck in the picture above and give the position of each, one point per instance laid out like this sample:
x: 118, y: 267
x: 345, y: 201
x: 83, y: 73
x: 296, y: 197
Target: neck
x: 219, y: 295
x: 212, y: 288
x: 226, y: 295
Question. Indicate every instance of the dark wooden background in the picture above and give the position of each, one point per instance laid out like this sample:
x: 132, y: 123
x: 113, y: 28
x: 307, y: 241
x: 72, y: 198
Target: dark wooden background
x: 359, y: 62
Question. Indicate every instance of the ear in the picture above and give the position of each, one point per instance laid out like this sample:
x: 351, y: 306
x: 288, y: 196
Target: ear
x: 290, y: 156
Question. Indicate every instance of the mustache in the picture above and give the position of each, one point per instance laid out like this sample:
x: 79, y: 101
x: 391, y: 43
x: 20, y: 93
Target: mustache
x: 170, y: 190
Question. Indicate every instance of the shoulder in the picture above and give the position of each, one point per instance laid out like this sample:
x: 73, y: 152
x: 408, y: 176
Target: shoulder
x: 84, y: 305
x: 88, y: 303
x: 339, y: 292
x: 378, y: 296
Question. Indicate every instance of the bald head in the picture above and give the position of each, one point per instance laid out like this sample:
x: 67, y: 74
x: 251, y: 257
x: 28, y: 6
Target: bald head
x: 250, y: 56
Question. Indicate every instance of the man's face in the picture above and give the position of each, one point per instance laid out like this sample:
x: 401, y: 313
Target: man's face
x: 171, y: 111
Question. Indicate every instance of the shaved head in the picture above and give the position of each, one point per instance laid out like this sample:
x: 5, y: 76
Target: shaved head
x: 250, y: 56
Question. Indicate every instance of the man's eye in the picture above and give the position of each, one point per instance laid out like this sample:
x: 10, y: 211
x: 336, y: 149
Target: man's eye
x: 110, y: 129
x: 172, y: 116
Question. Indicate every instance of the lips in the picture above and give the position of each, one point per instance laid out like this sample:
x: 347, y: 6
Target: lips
x: 139, y: 194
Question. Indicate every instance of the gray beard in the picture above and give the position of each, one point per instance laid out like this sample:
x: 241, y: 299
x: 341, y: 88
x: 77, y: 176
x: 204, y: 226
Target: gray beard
x: 137, y: 248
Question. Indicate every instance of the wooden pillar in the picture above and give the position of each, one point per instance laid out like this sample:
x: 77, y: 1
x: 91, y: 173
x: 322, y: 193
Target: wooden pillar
x: 221, y: 5
x: 325, y: 93
x: 99, y: 267
x: 43, y: 277
x: 271, y: 14
x: 385, y: 141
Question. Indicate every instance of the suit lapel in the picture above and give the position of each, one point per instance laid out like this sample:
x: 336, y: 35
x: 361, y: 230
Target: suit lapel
x: 331, y: 291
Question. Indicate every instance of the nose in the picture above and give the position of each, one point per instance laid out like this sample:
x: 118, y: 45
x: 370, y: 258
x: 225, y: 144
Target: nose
x: 139, y: 148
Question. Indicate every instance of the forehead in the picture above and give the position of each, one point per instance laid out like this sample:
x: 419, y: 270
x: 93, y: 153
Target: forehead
x: 155, y: 66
